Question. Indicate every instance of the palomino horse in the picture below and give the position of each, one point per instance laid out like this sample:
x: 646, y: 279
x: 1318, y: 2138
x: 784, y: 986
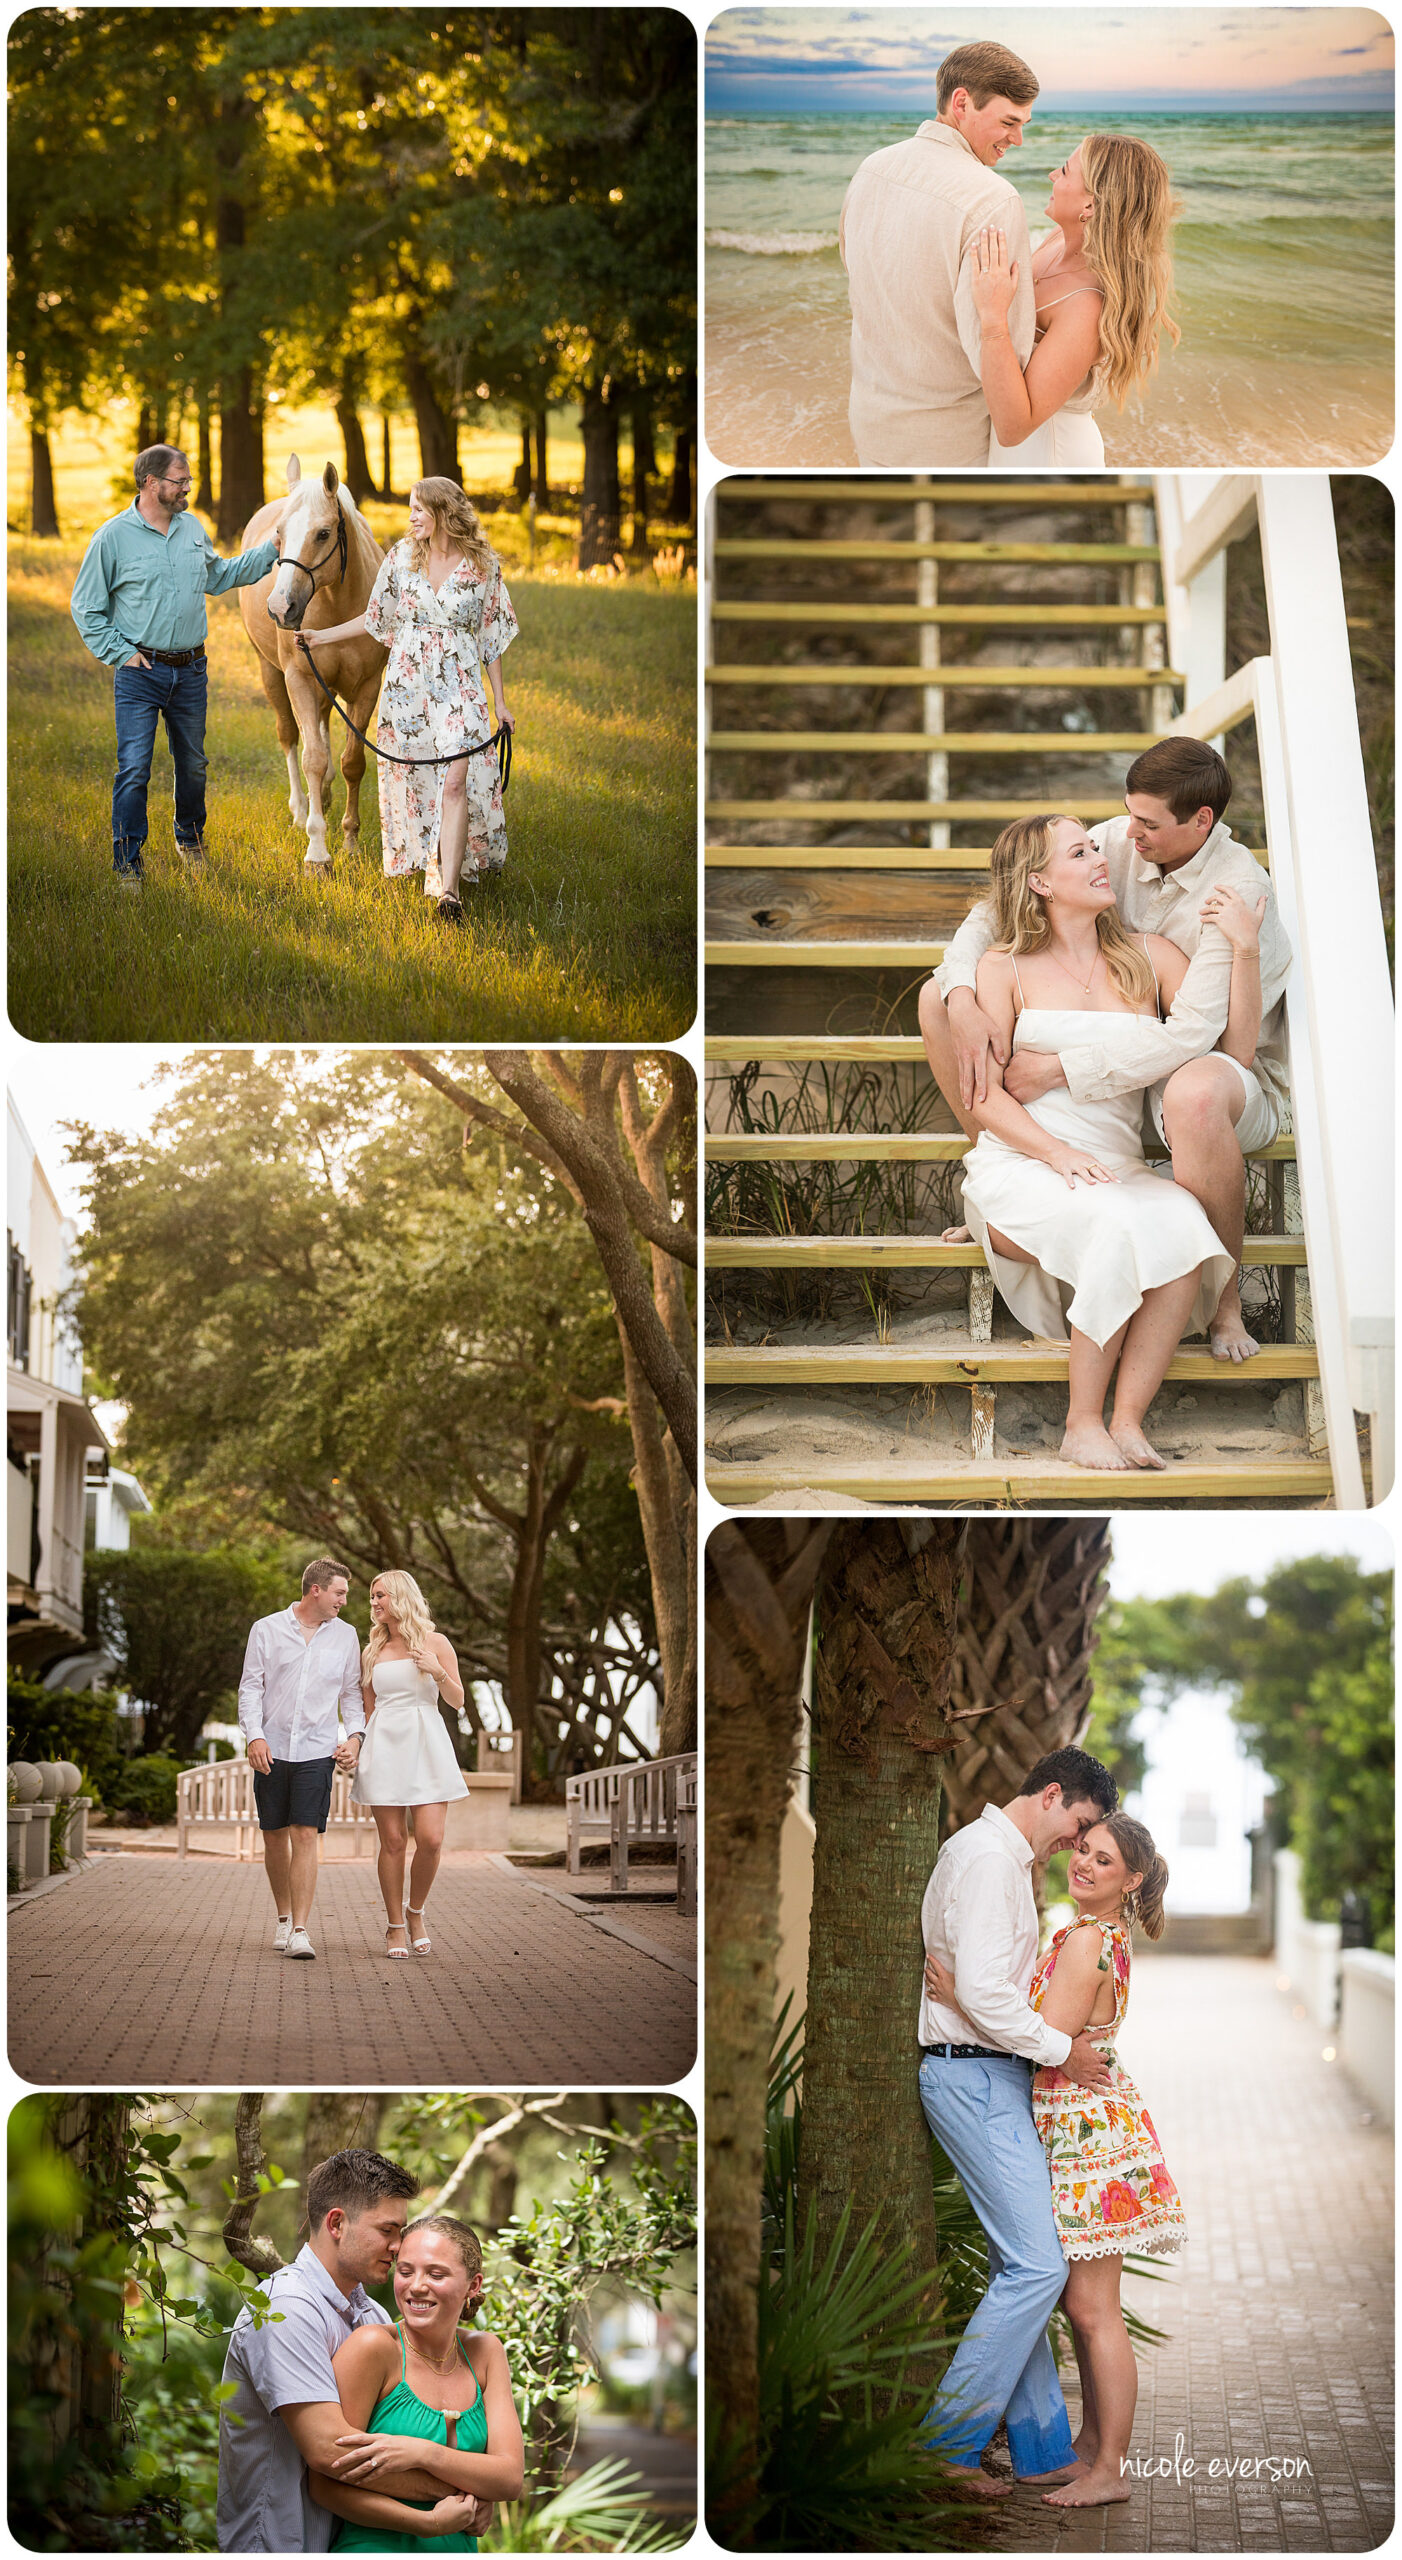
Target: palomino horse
x: 329, y: 561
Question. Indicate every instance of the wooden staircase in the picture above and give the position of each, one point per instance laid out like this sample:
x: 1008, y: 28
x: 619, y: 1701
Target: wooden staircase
x: 897, y: 668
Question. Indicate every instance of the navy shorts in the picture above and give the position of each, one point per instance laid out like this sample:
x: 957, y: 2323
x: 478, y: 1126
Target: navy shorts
x: 294, y: 1791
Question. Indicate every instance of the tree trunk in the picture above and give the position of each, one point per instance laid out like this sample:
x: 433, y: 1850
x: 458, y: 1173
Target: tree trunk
x: 1033, y: 1591
x: 886, y: 1613
x: 145, y: 427
x: 386, y: 477
x: 600, y: 530
x: 665, y: 1498
x: 340, y: 2120
x: 103, y: 2156
x: 680, y: 502
x: 542, y: 475
x: 204, y: 493
x: 438, y: 428
x: 358, y: 479
x: 240, y: 454
x: 43, y: 508
x: 644, y: 468
x: 521, y: 481
x: 759, y: 1584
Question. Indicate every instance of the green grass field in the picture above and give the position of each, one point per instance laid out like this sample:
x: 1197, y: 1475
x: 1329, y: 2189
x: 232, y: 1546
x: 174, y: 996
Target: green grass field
x: 588, y: 934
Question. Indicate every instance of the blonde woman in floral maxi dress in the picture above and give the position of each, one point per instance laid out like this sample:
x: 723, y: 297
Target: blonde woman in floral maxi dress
x: 1111, y: 2190
x: 440, y: 607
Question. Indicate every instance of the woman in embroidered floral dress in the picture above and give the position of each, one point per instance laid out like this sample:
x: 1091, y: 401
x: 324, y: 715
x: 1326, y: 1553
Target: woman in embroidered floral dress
x: 1110, y: 2188
x: 441, y: 608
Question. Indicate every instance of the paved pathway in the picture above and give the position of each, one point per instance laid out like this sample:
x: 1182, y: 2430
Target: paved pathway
x: 144, y: 1970
x: 1279, y: 2313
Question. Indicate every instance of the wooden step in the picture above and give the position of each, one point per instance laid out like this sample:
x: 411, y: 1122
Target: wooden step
x: 862, y: 857
x: 956, y: 1361
x: 991, y: 554
x: 900, y: 1146
x: 983, y: 679
x: 922, y: 742
x: 918, y: 1253
x: 823, y: 955
x: 1013, y: 1484
x: 950, y: 493
x: 1039, y: 616
x: 854, y: 907
x: 958, y: 812
x: 799, y: 1049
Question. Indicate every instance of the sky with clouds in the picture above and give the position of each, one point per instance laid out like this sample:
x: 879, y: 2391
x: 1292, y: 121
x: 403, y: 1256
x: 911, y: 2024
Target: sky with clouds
x: 775, y: 60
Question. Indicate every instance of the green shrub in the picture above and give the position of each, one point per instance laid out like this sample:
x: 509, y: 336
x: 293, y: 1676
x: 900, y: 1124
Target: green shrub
x: 61, y: 1724
x: 145, y: 1791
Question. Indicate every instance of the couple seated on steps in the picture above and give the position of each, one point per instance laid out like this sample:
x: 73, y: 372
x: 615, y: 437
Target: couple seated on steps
x: 1130, y: 973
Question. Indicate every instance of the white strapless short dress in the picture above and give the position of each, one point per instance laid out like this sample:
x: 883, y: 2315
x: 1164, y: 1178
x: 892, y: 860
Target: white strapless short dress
x: 1099, y: 1247
x: 406, y: 1757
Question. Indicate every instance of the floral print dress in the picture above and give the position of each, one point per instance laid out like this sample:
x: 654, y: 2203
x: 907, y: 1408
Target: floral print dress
x: 1110, y: 2189
x: 435, y: 698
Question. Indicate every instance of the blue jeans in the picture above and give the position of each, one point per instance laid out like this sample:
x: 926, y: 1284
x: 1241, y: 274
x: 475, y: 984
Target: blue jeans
x: 981, y: 2113
x: 143, y: 696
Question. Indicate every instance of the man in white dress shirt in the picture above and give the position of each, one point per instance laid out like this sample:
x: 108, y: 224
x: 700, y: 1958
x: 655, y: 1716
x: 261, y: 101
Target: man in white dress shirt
x: 979, y: 1917
x: 301, y: 1681
x: 283, y: 2416
x: 907, y: 231
x: 1163, y: 857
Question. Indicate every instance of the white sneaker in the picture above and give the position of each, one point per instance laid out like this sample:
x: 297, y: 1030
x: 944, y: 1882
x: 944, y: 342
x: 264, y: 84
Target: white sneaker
x: 299, y: 1944
x: 284, y: 1932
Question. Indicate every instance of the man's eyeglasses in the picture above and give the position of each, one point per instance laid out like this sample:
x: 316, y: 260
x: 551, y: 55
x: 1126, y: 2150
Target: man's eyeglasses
x: 175, y: 484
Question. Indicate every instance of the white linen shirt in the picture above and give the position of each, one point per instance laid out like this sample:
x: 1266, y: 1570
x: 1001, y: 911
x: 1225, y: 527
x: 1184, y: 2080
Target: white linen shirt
x: 264, y: 2503
x: 980, y: 1919
x: 295, y: 1687
x: 906, y: 233
x: 1155, y: 901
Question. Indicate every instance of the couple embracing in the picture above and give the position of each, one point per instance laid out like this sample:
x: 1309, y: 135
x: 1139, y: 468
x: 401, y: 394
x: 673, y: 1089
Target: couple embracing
x: 1021, y: 2086
x: 969, y: 346
x: 1123, y: 978
x: 306, y: 1681
x: 344, y: 2429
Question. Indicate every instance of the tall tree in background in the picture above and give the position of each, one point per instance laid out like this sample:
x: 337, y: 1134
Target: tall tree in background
x: 1026, y: 1639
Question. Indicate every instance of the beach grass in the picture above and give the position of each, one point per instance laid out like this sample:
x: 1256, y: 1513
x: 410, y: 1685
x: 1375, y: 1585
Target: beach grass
x: 588, y: 934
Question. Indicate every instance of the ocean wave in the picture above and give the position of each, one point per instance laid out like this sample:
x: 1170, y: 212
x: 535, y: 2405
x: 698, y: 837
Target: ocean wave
x: 773, y: 244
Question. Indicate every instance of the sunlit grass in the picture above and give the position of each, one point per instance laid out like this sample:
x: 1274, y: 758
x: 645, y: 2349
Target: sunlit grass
x: 589, y: 934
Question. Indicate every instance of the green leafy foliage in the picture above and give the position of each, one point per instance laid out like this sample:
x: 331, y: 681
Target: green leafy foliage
x: 65, y: 1724
x: 146, y: 1790
x: 178, y: 1622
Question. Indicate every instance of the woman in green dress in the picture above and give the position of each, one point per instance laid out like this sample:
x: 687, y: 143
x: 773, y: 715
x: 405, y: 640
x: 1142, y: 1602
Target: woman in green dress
x: 429, y: 2390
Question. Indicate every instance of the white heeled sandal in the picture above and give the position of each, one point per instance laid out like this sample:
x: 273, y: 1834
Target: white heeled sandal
x: 396, y: 1955
x: 420, y: 1945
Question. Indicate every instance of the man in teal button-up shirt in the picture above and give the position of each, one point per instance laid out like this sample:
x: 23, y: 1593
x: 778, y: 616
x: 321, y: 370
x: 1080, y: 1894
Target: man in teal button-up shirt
x: 138, y: 601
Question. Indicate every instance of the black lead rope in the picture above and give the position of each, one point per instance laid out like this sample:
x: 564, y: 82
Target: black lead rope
x: 501, y: 741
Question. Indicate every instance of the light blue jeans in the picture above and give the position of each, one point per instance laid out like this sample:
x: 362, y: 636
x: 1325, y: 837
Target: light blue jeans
x: 981, y: 2114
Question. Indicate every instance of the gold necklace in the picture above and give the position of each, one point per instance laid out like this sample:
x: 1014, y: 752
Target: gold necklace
x: 1066, y: 973
x: 449, y: 2367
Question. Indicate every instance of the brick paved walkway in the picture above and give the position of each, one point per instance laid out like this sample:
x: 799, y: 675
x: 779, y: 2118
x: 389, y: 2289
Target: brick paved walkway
x: 143, y: 1970
x: 1279, y: 2313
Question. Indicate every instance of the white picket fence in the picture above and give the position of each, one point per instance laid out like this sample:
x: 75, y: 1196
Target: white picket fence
x: 1338, y: 1003
x: 639, y: 1800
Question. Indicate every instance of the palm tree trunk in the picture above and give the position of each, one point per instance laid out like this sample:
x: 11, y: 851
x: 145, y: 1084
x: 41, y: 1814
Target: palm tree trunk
x: 886, y: 1610
x: 1033, y: 1592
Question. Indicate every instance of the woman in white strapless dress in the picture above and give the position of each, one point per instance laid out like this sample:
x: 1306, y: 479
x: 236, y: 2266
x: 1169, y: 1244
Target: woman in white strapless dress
x: 1103, y: 282
x: 407, y: 1760
x: 1080, y: 1236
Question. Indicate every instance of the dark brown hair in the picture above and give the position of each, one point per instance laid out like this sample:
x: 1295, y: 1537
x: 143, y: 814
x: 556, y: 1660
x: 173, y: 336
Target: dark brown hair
x: 1185, y: 773
x: 154, y: 461
x: 321, y: 1571
x: 986, y: 70
x: 355, y: 2180
x: 1136, y: 1847
x: 1078, y: 1775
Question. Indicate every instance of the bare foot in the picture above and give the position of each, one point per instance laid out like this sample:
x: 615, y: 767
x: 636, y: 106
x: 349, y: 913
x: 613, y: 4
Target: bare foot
x: 1086, y: 2448
x: 1088, y: 1444
x: 1128, y: 1437
x: 1092, y: 2489
x: 974, y: 2483
x: 1046, y: 2479
x: 1229, y: 1337
x: 957, y: 1235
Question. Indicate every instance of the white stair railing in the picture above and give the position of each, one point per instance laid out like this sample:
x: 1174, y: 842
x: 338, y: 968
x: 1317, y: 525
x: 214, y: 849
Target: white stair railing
x: 1338, y: 1002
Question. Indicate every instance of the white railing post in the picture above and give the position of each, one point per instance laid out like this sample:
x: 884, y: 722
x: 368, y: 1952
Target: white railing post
x: 1336, y: 929
x: 1194, y: 578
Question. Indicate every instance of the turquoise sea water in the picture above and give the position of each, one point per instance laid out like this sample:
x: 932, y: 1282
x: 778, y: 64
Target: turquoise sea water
x: 1283, y: 256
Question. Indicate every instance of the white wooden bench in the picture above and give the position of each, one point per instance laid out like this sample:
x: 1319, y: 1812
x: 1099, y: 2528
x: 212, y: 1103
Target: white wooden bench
x: 216, y: 1815
x: 639, y: 1800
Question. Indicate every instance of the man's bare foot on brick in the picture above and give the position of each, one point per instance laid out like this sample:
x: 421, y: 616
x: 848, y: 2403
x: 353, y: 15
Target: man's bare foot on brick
x: 969, y: 2482
x: 1090, y: 2489
x: 1050, y: 2479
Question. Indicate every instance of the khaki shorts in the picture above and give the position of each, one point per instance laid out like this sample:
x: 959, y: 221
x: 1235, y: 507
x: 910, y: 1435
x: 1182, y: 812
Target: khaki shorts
x: 1259, y: 1122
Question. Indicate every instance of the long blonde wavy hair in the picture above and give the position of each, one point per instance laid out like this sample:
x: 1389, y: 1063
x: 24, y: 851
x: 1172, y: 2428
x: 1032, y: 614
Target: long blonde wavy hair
x: 1125, y: 241
x: 1020, y: 912
x: 455, y: 520
x: 411, y: 1614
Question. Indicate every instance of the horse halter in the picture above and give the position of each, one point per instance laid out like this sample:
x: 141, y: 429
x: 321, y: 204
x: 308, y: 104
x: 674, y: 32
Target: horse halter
x: 285, y: 561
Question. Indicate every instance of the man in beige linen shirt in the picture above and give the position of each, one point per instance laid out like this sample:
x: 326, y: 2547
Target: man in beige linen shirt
x: 909, y: 222
x: 1210, y: 1112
